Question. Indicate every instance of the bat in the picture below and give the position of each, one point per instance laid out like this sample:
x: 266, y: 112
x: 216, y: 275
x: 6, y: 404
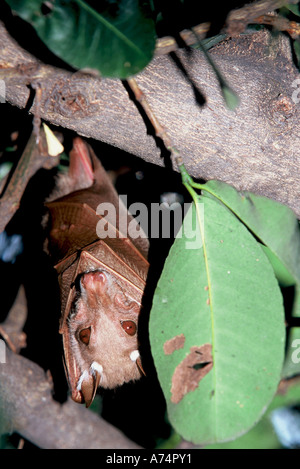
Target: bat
x: 101, y: 279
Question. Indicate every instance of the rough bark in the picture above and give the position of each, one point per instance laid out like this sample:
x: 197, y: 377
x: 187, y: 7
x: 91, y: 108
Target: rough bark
x: 27, y: 407
x: 256, y: 147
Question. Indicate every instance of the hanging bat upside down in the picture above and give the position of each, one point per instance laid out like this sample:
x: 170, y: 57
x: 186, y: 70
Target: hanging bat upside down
x: 101, y: 279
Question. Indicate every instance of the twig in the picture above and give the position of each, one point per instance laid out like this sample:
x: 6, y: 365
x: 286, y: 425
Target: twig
x: 280, y: 24
x: 238, y: 19
x: 12, y: 328
x: 236, y: 23
x: 37, y: 116
x: 30, y: 162
x: 160, y: 131
x: 168, y: 44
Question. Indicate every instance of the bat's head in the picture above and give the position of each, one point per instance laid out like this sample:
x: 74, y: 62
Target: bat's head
x: 100, y: 336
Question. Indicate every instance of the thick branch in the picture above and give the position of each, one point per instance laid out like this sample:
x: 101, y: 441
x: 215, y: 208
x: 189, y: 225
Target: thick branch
x: 256, y: 147
x: 27, y: 407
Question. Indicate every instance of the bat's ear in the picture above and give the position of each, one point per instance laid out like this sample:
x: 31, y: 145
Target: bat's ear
x: 85, y: 170
x: 81, y: 168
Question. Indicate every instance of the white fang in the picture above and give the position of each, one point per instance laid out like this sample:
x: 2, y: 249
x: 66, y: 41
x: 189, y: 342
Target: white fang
x: 84, y: 375
x: 134, y: 355
x: 95, y: 366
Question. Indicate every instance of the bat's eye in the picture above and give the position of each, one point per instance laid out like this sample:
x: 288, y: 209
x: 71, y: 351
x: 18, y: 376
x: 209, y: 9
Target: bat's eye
x: 129, y: 327
x: 84, y: 335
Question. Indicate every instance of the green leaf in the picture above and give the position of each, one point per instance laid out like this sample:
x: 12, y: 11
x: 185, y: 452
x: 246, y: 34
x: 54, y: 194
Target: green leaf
x: 282, y: 274
x: 221, y: 296
x: 294, y: 9
x: 209, y: 42
x: 262, y: 436
x: 118, y: 41
x: 230, y: 97
x: 274, y: 224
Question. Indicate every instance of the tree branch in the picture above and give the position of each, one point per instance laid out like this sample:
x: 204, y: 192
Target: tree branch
x: 12, y: 328
x: 256, y: 147
x: 27, y: 407
x: 34, y: 157
x: 238, y: 19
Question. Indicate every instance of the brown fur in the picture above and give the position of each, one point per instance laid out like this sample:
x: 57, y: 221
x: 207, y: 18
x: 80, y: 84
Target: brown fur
x: 101, y: 280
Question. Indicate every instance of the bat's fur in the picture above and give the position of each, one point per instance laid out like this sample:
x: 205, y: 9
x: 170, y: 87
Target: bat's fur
x: 101, y: 281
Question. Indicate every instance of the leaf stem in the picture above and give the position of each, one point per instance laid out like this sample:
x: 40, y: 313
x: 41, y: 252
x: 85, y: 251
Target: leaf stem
x: 190, y: 185
x: 230, y: 97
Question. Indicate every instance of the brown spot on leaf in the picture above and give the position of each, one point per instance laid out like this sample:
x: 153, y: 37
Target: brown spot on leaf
x: 173, y: 344
x: 191, y: 371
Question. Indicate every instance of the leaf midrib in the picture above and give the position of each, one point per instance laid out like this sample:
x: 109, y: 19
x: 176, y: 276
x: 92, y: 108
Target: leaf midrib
x: 210, y: 306
x: 110, y: 26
